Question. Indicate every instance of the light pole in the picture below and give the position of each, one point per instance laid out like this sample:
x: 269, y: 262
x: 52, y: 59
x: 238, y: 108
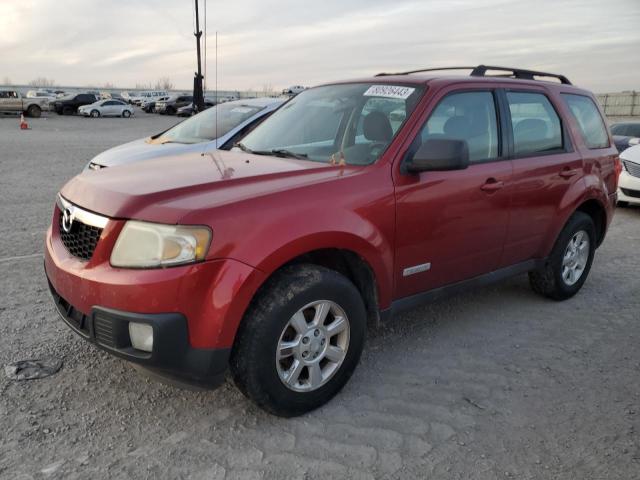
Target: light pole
x: 198, y: 94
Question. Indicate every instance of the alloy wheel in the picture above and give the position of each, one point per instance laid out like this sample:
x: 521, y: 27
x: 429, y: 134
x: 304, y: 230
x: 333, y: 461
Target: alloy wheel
x: 312, y: 346
x: 576, y: 256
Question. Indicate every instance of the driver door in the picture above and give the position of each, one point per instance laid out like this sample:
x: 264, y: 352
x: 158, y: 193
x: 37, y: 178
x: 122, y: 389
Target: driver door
x: 451, y: 225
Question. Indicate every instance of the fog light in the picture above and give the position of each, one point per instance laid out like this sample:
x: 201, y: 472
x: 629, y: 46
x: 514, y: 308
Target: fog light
x: 141, y: 335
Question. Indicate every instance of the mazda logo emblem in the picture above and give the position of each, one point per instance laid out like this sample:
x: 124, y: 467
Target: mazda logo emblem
x: 67, y: 220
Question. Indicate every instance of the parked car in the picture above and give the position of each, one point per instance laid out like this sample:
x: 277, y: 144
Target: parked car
x: 140, y: 97
x: 69, y: 105
x: 12, y: 101
x: 149, y: 106
x: 172, y: 104
x: 46, y: 94
x: 629, y: 185
x: 197, y: 134
x: 188, y: 110
x: 293, y: 90
x: 626, y: 135
x: 106, y: 108
x: 273, y: 258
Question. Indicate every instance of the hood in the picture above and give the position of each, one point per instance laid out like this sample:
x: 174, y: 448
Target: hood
x: 166, y: 189
x: 142, y: 149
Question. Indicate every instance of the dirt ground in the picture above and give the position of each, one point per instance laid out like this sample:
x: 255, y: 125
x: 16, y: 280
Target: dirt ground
x: 494, y: 383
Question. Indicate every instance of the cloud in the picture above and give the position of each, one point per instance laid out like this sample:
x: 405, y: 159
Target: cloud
x: 292, y: 42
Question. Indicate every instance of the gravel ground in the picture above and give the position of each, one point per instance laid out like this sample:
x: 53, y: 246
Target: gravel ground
x: 495, y: 383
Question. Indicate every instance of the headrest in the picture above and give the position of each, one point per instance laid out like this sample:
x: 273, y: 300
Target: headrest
x: 376, y: 127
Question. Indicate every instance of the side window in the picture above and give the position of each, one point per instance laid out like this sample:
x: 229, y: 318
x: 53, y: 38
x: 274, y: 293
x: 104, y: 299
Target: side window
x: 536, y: 125
x: 588, y: 118
x: 468, y: 116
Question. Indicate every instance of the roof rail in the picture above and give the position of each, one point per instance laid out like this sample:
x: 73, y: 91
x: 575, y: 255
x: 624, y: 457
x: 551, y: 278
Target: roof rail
x: 481, y: 71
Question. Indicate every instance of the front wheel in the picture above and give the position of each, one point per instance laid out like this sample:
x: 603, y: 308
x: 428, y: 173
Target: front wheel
x: 570, y: 261
x: 300, y: 340
x: 95, y: 113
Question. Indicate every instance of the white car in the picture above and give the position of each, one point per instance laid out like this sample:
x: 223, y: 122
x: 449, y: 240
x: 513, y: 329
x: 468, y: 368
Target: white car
x: 106, y: 108
x: 629, y: 184
x: 218, y: 127
x: 49, y: 95
x: 293, y: 90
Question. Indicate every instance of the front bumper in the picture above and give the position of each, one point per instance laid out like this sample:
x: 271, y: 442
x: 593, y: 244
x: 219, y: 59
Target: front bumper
x: 629, y: 188
x: 171, y: 357
x: 195, y: 309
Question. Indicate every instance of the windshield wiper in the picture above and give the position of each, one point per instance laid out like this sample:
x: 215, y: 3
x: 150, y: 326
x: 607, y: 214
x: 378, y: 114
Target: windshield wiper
x: 243, y: 147
x: 283, y: 152
x: 278, y: 152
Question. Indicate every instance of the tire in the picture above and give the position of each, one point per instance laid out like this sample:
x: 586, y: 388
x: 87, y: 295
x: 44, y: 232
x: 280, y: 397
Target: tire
x: 126, y: 113
x: 34, y: 111
x: 94, y: 114
x: 255, y: 366
x: 67, y: 110
x: 170, y: 111
x: 551, y: 280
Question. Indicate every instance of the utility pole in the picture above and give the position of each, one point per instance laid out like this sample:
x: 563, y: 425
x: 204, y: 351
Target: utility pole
x: 198, y: 94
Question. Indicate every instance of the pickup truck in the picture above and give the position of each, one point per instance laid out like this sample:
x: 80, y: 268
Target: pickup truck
x: 12, y: 101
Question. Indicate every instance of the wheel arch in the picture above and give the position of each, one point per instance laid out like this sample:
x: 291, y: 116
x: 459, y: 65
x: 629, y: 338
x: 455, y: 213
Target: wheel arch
x: 598, y: 213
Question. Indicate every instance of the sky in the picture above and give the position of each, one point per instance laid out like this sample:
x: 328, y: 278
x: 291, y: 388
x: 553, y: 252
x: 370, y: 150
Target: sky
x: 268, y: 44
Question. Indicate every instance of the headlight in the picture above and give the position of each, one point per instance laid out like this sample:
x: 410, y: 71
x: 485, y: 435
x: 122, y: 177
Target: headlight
x: 150, y: 245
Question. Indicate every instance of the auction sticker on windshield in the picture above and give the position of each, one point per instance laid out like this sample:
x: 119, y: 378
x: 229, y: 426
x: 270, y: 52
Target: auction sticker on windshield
x: 389, y: 91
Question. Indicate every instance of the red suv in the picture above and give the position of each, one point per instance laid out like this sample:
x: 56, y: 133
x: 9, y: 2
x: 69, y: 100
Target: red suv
x: 352, y: 202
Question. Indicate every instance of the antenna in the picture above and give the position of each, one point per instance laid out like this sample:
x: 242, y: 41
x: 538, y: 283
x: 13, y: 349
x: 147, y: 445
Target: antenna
x: 205, y: 48
x: 216, y: 94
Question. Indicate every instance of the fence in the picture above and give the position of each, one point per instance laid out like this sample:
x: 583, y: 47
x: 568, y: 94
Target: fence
x: 624, y: 104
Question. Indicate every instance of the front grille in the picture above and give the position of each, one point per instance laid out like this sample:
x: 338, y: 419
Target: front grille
x: 632, y: 168
x: 81, y: 240
x: 76, y: 319
x: 631, y: 193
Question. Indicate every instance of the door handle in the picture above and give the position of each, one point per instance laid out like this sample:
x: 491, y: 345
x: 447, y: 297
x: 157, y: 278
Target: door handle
x: 492, y: 185
x: 568, y: 172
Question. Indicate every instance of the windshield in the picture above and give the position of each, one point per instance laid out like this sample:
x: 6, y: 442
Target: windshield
x: 349, y: 123
x: 202, y: 127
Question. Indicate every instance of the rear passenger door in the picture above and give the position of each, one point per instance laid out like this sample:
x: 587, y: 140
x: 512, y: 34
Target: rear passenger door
x: 545, y: 166
x: 451, y: 225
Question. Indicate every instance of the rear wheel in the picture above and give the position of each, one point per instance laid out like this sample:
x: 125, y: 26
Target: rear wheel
x: 570, y: 261
x: 34, y: 111
x: 170, y: 111
x: 67, y: 110
x: 126, y: 113
x: 300, y: 340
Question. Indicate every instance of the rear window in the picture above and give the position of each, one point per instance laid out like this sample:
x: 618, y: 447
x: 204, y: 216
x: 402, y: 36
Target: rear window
x: 536, y: 125
x: 588, y: 118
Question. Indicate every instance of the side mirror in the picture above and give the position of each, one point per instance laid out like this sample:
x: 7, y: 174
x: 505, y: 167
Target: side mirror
x: 439, y: 154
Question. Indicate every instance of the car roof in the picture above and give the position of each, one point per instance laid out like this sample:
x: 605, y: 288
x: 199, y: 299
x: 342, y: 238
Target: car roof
x: 423, y: 79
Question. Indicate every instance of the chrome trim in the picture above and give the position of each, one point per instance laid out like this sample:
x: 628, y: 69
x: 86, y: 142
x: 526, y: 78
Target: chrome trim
x: 423, y: 267
x: 77, y: 213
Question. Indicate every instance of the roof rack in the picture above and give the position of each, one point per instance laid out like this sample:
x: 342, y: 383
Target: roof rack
x: 481, y: 71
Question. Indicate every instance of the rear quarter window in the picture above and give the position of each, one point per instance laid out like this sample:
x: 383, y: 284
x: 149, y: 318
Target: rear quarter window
x: 587, y: 117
